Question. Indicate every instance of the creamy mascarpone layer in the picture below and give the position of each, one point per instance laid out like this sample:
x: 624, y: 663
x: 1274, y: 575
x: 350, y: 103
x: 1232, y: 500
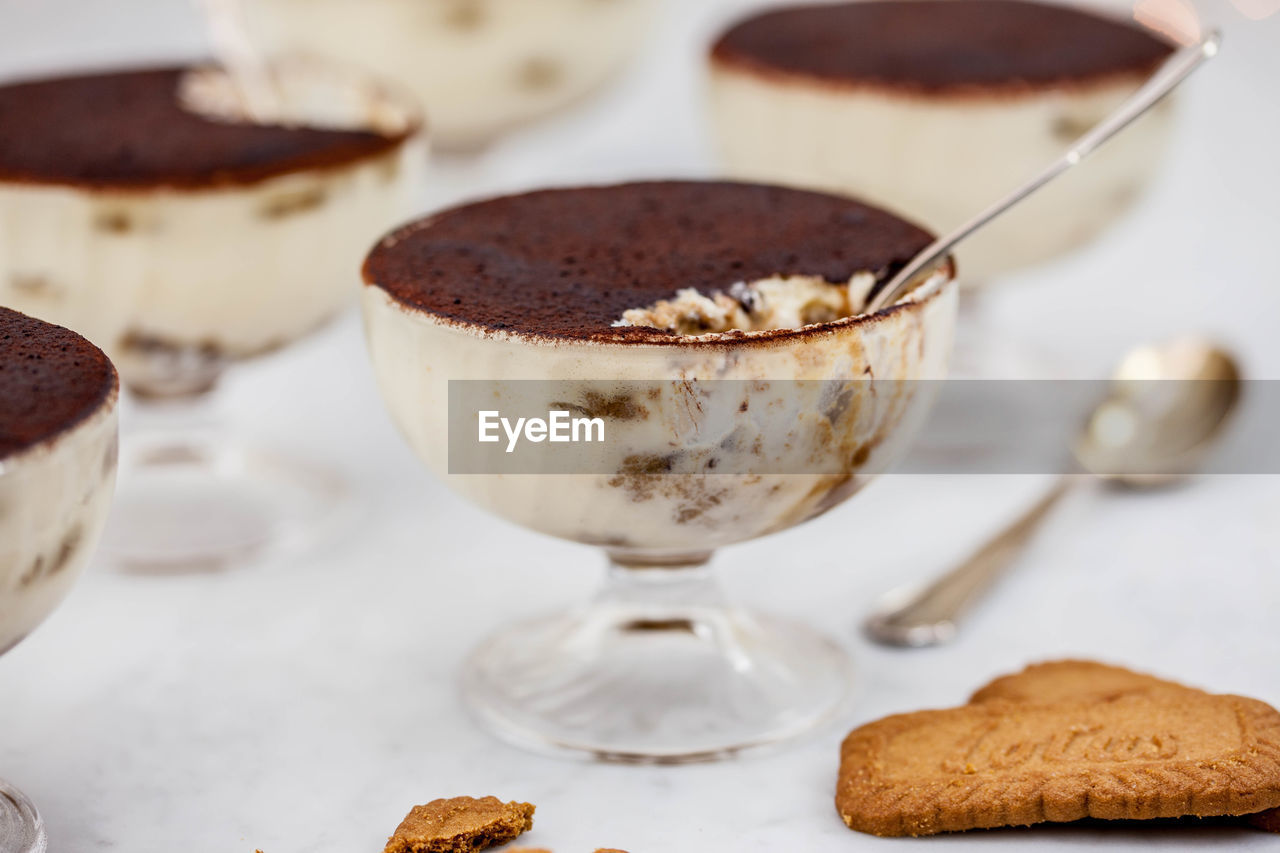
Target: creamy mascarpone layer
x: 781, y: 302
x: 635, y: 512
x: 940, y: 159
x: 54, y: 499
x: 476, y: 65
x: 235, y: 270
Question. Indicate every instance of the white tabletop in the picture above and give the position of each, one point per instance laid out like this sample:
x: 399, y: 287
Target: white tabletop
x: 306, y: 703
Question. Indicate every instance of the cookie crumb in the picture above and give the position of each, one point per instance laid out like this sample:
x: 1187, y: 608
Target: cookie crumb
x: 460, y: 825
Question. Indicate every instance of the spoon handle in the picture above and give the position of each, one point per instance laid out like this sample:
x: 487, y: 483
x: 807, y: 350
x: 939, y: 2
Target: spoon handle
x: 927, y: 616
x: 1176, y: 69
x: 224, y: 20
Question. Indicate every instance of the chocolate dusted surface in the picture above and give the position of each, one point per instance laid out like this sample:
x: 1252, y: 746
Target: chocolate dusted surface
x: 128, y: 130
x: 567, y: 263
x: 938, y: 46
x: 50, y: 380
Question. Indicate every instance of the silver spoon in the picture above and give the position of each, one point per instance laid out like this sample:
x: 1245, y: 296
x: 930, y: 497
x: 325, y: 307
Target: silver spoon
x: 1175, y: 69
x: 1146, y: 433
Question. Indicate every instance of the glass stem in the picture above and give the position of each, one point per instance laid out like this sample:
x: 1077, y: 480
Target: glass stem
x: 172, y: 390
x: 173, y: 420
x: 156, y: 370
x: 676, y: 594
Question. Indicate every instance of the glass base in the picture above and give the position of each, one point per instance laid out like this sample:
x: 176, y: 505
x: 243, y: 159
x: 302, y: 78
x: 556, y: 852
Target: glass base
x: 201, y: 503
x: 657, y: 670
x: 21, y: 829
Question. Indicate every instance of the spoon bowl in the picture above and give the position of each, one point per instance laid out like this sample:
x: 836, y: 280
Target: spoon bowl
x: 1166, y: 405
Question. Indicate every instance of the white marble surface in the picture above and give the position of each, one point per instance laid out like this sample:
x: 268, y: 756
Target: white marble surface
x: 303, y: 705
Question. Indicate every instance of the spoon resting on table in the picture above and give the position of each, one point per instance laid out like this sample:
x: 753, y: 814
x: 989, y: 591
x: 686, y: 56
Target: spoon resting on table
x: 1167, y: 405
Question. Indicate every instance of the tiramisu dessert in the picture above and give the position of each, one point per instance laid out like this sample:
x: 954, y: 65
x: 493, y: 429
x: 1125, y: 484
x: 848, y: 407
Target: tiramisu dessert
x: 185, y: 218
x: 147, y: 211
x: 58, y: 396
x: 715, y: 329
x: 478, y: 66
x: 935, y: 108
x: 57, y: 464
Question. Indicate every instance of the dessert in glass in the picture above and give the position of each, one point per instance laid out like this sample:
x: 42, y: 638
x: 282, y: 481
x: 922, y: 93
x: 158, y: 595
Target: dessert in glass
x: 478, y: 66
x: 715, y: 329
x: 931, y: 108
x: 147, y: 211
x: 58, y: 395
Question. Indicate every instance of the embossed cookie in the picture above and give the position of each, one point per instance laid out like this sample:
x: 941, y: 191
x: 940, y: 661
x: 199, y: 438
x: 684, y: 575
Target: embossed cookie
x: 1082, y: 680
x: 460, y: 825
x: 1070, y: 680
x: 1164, y: 752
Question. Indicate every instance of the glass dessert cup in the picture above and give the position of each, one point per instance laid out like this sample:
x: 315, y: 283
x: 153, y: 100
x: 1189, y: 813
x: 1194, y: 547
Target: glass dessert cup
x: 950, y: 131
x: 935, y: 152
x: 55, y: 498
x: 479, y: 67
x: 659, y: 667
x: 179, y: 282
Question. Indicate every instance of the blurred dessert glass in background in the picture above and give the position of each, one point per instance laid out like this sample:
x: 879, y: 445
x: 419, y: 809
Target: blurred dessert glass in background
x: 58, y: 396
x: 147, y: 211
x: 935, y: 108
x: 477, y: 66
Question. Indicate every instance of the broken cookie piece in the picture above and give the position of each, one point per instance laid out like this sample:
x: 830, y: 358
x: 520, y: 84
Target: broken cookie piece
x: 460, y: 825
